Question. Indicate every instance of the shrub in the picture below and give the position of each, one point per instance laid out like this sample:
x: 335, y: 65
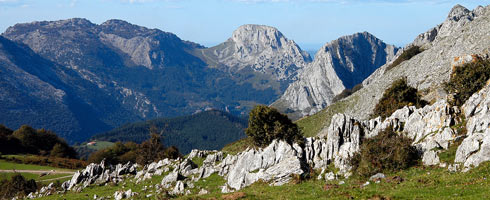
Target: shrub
x: 386, y: 152
x: 399, y: 95
x: 347, y: 92
x: 16, y: 186
x: 467, y: 79
x: 266, y: 124
x: 406, y: 55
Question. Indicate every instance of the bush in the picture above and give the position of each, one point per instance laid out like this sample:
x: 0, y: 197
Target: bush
x: 406, y: 55
x: 266, y: 124
x: 399, y: 95
x: 386, y: 152
x: 16, y: 186
x: 467, y: 79
x: 347, y: 92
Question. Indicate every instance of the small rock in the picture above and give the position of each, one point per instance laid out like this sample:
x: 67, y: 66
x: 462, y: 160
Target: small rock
x: 365, y: 184
x: 203, y: 192
x: 330, y: 176
x: 377, y: 176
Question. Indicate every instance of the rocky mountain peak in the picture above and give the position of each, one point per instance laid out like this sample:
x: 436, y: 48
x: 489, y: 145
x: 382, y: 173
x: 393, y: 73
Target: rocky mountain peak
x: 457, y: 12
x: 262, y: 48
x: 263, y: 36
x: 125, y: 29
x: 339, y: 64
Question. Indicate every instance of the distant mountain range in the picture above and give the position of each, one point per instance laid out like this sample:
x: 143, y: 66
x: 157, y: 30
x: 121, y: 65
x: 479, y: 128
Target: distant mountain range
x: 79, y: 78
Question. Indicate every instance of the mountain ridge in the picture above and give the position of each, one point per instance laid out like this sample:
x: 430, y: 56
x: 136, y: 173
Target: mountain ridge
x: 338, y: 65
x: 151, y: 73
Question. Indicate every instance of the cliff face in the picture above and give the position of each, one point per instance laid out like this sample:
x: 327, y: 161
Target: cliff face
x: 338, y: 65
x: 262, y: 48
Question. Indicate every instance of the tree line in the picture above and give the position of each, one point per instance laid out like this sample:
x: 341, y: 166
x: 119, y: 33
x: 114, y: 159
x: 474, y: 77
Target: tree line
x: 27, y: 140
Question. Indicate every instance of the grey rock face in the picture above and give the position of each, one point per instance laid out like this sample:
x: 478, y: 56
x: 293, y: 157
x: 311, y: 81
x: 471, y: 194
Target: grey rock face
x: 428, y: 127
x: 263, y: 49
x: 338, y: 65
x: 275, y: 163
x: 475, y: 148
x: 98, y: 173
x: 461, y: 35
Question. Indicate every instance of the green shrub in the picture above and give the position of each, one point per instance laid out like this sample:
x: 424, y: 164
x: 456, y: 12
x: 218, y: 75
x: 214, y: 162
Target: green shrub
x: 406, y: 55
x: 266, y: 124
x: 386, y: 152
x: 347, y: 92
x: 399, y: 95
x: 467, y: 79
x: 16, y: 186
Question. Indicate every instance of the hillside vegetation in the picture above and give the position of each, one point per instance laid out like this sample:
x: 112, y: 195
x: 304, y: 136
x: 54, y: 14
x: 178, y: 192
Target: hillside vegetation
x: 397, y: 96
x: 27, y: 140
x: 468, y: 79
x: 206, y: 130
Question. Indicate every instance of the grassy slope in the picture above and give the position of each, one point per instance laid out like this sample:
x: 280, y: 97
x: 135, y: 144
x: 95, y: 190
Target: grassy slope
x: 419, y: 183
x: 10, y: 165
x: 313, y: 124
x: 36, y: 177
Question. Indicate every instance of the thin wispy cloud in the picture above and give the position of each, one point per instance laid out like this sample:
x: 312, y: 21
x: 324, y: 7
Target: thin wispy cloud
x: 347, y: 1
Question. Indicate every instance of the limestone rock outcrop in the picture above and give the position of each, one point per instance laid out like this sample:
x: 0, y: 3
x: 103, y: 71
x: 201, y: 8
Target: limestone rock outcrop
x: 475, y: 148
x: 99, y: 173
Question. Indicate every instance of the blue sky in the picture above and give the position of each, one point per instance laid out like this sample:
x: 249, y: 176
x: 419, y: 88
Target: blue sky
x: 311, y: 23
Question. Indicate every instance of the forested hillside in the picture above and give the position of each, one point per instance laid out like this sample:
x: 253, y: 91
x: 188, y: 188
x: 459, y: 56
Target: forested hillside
x: 205, y: 130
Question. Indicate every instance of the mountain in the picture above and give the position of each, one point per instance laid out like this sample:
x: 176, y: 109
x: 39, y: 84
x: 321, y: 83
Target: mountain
x: 135, y: 73
x: 263, y: 49
x: 459, y: 39
x: 43, y: 94
x: 338, y: 65
x: 463, y: 35
x: 258, y: 55
x: 210, y: 130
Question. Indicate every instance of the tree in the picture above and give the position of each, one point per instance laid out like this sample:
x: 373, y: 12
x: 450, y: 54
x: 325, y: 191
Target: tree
x: 151, y: 150
x: 266, y: 124
x: 62, y: 151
